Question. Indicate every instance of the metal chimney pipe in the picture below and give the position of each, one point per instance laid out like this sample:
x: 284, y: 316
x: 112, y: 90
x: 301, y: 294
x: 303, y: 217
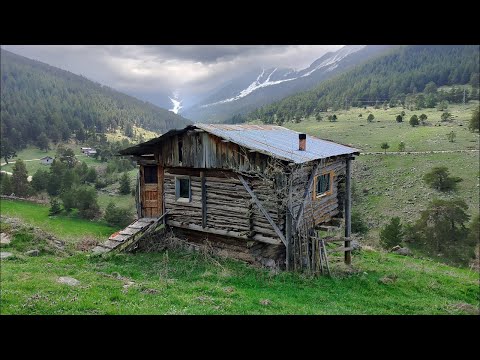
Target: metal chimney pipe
x: 302, y: 142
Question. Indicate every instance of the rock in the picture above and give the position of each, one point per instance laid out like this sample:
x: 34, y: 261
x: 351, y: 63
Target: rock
x: 403, y: 251
x: 68, y: 280
x: 4, y: 239
x: 5, y: 255
x: 395, y: 248
x: 388, y: 279
x: 265, y: 302
x: 355, y: 245
x: 34, y: 252
x: 99, y: 250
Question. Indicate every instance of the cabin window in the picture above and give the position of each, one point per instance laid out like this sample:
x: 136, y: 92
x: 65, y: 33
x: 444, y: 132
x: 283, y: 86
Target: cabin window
x: 182, y: 189
x: 180, y: 151
x: 150, y: 174
x: 323, y: 184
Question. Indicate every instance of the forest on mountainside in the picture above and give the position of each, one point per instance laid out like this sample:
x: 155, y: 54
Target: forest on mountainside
x: 396, y: 78
x: 41, y: 99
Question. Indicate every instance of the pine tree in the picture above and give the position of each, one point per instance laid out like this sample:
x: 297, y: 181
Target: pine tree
x: 124, y: 184
x: 474, y: 123
x: 385, y: 146
x: 55, y: 207
x: 20, y: 184
x: 42, y: 142
x: 392, y: 234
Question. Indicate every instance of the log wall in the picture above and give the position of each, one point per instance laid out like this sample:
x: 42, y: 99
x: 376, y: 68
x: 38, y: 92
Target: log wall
x: 230, y: 209
x: 207, y: 151
x: 323, y: 208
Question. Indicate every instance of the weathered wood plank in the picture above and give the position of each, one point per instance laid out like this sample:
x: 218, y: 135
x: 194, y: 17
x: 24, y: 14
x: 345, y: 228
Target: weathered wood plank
x: 306, y: 196
x: 265, y: 213
x: 223, y: 232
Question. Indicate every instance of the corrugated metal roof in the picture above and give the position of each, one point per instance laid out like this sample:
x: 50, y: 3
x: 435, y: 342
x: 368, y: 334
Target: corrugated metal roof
x: 277, y: 141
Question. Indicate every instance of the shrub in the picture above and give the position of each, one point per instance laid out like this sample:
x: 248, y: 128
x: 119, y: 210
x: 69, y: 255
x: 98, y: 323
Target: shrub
x: 358, y: 224
x: 439, y: 178
x: 474, y: 123
x: 124, y: 184
x: 440, y: 232
x: 392, y: 234
x: 117, y: 216
x: 414, y: 120
x: 54, y: 207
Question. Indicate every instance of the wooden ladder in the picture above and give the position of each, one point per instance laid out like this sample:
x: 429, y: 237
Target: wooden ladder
x: 128, y: 238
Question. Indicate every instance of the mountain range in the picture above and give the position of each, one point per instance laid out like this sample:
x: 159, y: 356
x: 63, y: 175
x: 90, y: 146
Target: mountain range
x: 263, y: 86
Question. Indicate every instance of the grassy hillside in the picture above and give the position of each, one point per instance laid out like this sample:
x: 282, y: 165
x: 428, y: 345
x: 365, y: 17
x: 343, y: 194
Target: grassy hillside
x: 356, y: 131
x: 37, y: 98
x: 184, y: 283
x: 391, y: 185
x: 68, y: 228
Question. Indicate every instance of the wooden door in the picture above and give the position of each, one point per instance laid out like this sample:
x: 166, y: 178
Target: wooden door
x: 151, y: 185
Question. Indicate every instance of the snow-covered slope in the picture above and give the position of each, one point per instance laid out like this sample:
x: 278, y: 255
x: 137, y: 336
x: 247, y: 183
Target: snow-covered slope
x: 263, y: 86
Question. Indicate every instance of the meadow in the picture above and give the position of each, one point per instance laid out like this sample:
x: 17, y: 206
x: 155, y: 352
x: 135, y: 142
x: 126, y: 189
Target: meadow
x: 177, y: 283
x: 350, y: 129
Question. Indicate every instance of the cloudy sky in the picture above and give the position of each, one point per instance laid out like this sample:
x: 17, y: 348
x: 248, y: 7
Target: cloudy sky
x: 154, y: 72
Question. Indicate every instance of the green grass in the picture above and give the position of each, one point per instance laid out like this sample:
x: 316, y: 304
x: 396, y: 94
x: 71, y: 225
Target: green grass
x: 68, y: 228
x: 118, y: 134
x: 34, y: 153
x: 391, y: 185
x: 123, y: 201
x: 355, y: 131
x: 185, y: 283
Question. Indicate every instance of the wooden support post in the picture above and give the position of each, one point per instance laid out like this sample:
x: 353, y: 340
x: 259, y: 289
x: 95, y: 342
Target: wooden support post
x: 306, y: 196
x: 348, y: 215
x: 262, y: 209
x: 204, y: 200
x: 288, y: 236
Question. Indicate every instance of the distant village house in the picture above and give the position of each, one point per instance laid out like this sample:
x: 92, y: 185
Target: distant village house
x: 88, y: 151
x: 46, y: 160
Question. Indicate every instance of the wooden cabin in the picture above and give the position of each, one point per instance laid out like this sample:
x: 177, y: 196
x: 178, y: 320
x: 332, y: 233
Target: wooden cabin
x: 253, y: 192
x: 46, y: 160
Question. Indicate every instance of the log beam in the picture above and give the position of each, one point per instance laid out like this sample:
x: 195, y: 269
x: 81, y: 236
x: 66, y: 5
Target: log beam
x: 348, y: 215
x: 262, y: 209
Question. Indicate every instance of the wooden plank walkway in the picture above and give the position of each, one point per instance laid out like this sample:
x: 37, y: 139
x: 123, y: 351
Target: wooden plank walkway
x: 127, y: 236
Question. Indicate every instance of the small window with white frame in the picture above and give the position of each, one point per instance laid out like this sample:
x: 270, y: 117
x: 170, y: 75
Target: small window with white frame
x: 323, y: 185
x: 183, y: 192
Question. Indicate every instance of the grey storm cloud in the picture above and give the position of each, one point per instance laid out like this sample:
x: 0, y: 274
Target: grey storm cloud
x: 189, y: 70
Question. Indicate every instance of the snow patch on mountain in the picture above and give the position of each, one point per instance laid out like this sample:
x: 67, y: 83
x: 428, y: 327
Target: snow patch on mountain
x: 328, y: 64
x: 257, y: 84
x: 177, y: 104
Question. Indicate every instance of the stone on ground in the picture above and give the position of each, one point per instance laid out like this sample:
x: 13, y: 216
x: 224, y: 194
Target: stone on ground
x: 68, y: 280
x: 5, y: 239
x: 5, y: 254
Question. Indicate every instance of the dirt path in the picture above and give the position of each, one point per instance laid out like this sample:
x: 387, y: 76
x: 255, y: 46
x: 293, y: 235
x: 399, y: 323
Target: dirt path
x: 9, y: 173
x: 416, y: 152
